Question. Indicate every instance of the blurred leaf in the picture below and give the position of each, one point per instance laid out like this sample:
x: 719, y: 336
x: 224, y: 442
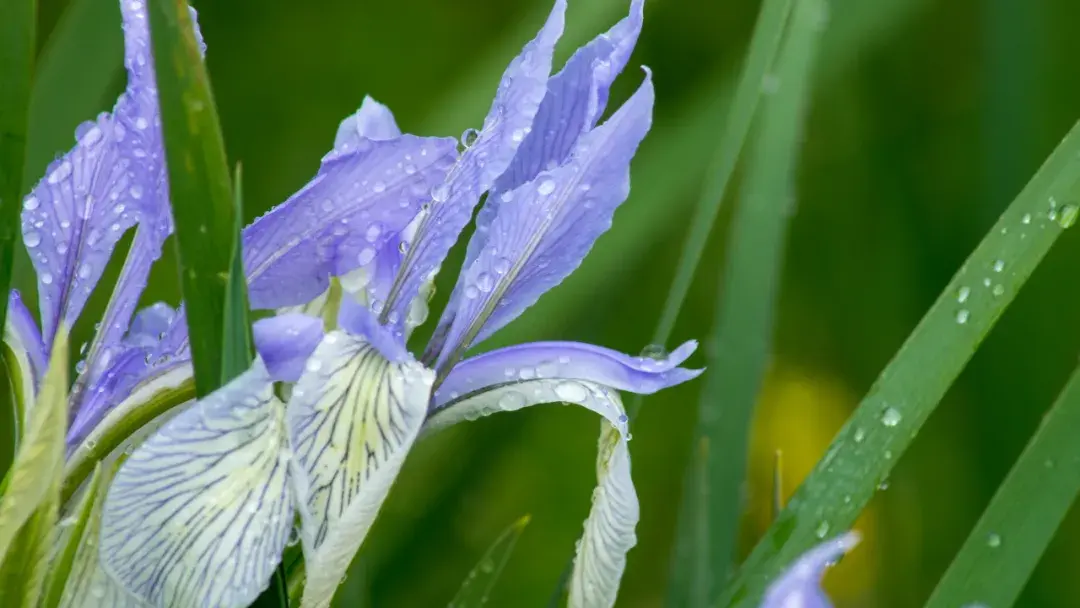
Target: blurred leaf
x: 481, y: 580
x: 910, y: 387
x: 741, y: 343
x: 199, y: 186
x: 760, y: 59
x: 1014, y: 531
x: 73, y: 80
x: 63, y: 562
x: 18, y: 30
x: 31, y: 493
x: 237, y: 340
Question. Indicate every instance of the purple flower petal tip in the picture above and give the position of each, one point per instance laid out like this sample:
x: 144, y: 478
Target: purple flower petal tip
x: 285, y: 342
x: 800, y: 585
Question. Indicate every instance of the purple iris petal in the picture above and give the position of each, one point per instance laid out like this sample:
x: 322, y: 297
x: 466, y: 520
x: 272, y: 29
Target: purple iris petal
x: 545, y: 227
x: 373, y: 121
x: 112, y: 179
x: 284, y: 342
x: 566, y: 361
x: 516, y: 102
x: 359, y: 321
x: 358, y: 201
x: 21, y: 322
x: 575, y: 99
x: 801, y: 584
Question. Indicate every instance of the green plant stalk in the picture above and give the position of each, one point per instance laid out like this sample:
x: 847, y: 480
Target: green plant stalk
x: 64, y: 560
x: 910, y: 387
x: 18, y: 32
x: 476, y: 589
x: 740, y: 345
x: 199, y: 186
x: 1005, y: 546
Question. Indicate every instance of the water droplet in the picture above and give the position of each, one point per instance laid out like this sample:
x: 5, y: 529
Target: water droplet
x: 378, y: 187
x: 469, y: 136
x: 501, y: 266
x: 654, y: 351
x: 887, y: 454
x: 571, y: 391
x: 860, y: 434
x: 61, y: 248
x: 546, y: 187
x: 471, y: 292
x: 141, y: 123
x: 993, y: 540
x: 373, y: 232
x: 32, y: 239
x: 517, y: 135
x: 93, y: 238
x: 84, y: 271
x: 998, y: 289
x: 403, y: 247
x: 365, y: 256
x: 822, y: 529
x: 80, y: 367
x: 962, y: 316
x: 507, y: 196
x: 962, y: 295
x: 884, y: 485
x: 30, y: 203
x: 891, y: 417
x: 999, y: 265
x: 563, y: 359
x: 46, y: 278
x: 136, y: 192
x: 440, y: 193
x: 1026, y: 219
x: 484, y: 282
x: 1068, y: 216
x: 60, y: 173
x: 512, y: 400
x: 487, y: 565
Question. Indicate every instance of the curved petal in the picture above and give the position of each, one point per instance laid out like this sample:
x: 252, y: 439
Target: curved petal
x: 200, y: 513
x: 358, y: 201
x: 352, y: 418
x: 564, y: 361
x: 801, y: 584
x: 372, y: 121
x: 609, y: 529
x: 545, y: 228
x: 21, y: 335
x: 112, y: 179
x: 516, y: 102
x: 285, y: 342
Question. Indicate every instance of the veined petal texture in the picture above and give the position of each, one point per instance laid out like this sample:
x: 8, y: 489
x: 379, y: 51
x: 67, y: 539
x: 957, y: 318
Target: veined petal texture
x: 112, y: 179
x: 517, y: 101
x: 545, y: 227
x: 800, y: 586
x: 359, y: 200
x: 352, y: 418
x: 200, y: 513
x: 609, y: 529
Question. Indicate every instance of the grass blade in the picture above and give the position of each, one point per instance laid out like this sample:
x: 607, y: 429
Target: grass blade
x: 477, y: 587
x: 741, y: 342
x: 236, y: 341
x: 64, y: 560
x: 1005, y: 546
x: 199, y: 186
x: 910, y: 387
x: 18, y: 31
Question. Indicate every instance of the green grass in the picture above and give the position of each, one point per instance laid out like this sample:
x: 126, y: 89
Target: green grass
x: 905, y: 394
x: 1014, y: 531
x: 741, y: 341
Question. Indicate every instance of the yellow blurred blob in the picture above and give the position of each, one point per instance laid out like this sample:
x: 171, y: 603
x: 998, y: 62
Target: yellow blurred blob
x: 799, y: 414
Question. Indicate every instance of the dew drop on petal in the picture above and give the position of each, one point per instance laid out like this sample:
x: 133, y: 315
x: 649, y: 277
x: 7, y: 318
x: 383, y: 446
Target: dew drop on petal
x: 378, y: 187
x: 507, y: 196
x: 30, y: 203
x: 654, y: 351
x: 84, y: 271
x: 32, y: 239
x: 471, y: 292
x: 313, y: 365
x: 373, y: 232
x: 546, y: 187
x: 517, y: 135
x: 60, y: 173
x: 366, y: 255
x: 440, y: 193
x: 136, y: 192
x: 141, y: 123
x: 571, y: 391
x: 468, y: 137
x: 501, y: 266
x: 512, y: 400
x: 484, y: 282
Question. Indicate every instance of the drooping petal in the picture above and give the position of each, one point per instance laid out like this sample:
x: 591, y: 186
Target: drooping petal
x: 800, y: 586
x: 285, y: 342
x: 516, y: 103
x: 545, y: 227
x: 108, y: 182
x: 200, y: 513
x: 372, y: 121
x: 22, y: 337
x: 570, y: 361
x: 575, y: 99
x: 352, y: 418
x: 609, y: 529
x: 339, y: 221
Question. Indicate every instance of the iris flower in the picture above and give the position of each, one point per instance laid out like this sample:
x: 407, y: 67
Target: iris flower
x: 314, y: 434
x: 800, y: 585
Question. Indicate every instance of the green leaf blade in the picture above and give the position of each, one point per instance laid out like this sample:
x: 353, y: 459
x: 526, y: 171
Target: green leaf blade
x: 199, y: 186
x: 1003, y: 549
x: 913, y: 383
x: 64, y: 561
x: 476, y: 589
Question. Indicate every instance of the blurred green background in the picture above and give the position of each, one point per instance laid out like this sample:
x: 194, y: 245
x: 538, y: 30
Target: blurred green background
x: 928, y: 117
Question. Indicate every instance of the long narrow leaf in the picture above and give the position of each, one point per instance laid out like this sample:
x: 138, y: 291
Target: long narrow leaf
x: 199, y: 185
x: 910, y: 387
x: 64, y: 560
x: 18, y: 30
x: 1012, y: 534
x: 236, y: 341
x: 741, y: 342
x: 481, y: 580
